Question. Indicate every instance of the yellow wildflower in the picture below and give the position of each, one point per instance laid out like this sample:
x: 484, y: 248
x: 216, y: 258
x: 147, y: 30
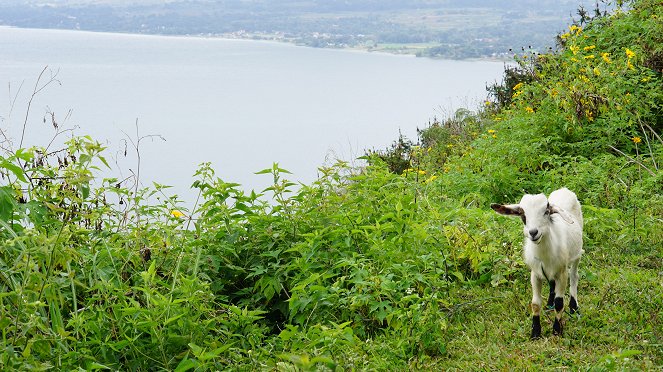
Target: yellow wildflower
x: 494, y: 135
x: 597, y: 72
x: 450, y: 145
x: 564, y: 36
x: 636, y: 139
x: 574, y: 49
x: 529, y: 109
x: 176, y: 213
x: 606, y: 57
x: 575, y: 28
x: 591, y: 56
x: 629, y: 53
x: 491, y: 131
x: 518, y: 86
x: 589, y: 47
x: 431, y: 178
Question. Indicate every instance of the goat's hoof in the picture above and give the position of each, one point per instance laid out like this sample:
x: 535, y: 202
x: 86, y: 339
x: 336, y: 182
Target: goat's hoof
x: 573, y: 306
x: 536, y: 327
x: 557, y: 328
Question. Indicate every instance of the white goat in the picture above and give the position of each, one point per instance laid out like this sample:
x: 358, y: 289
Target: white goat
x: 553, y: 243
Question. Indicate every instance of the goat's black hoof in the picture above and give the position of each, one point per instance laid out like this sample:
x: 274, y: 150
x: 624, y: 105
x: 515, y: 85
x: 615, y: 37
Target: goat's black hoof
x: 573, y: 306
x: 557, y: 328
x: 536, y: 328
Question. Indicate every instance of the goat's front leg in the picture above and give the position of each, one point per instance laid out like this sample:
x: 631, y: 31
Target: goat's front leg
x: 536, y: 306
x: 560, y: 288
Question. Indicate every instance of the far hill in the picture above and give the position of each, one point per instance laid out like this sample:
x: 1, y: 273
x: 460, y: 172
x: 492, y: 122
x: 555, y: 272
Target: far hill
x: 436, y: 28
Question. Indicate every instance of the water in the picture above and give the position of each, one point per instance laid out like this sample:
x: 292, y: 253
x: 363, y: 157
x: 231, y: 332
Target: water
x: 240, y: 105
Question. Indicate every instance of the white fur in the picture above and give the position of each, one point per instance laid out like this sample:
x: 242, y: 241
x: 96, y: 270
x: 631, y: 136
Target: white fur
x: 553, y: 239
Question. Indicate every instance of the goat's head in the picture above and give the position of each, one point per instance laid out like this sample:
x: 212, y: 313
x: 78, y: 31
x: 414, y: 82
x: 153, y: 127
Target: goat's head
x: 536, y: 213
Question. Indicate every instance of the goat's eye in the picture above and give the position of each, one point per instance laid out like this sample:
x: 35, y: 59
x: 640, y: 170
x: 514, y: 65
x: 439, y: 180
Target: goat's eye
x: 547, y: 212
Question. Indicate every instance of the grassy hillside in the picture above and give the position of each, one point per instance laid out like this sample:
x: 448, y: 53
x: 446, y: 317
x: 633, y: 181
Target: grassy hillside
x: 400, y: 264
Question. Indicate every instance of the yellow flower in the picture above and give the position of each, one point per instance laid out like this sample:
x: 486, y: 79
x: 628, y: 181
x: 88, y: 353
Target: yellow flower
x: 636, y: 139
x: 574, y: 49
x: 450, y: 145
x: 591, y: 56
x: 176, y: 213
x: 575, y: 28
x: 564, y: 36
x: 629, y: 53
x: 491, y: 131
x: 606, y: 57
x: 529, y: 109
x: 494, y: 135
x: 431, y: 179
x: 589, y: 47
x: 597, y: 72
x: 518, y: 86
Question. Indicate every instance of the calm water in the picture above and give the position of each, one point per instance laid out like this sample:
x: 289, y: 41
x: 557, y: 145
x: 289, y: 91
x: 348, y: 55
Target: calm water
x: 238, y: 104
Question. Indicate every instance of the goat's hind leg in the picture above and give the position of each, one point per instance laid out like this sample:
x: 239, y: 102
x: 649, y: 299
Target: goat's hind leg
x: 573, y: 291
x: 551, y: 296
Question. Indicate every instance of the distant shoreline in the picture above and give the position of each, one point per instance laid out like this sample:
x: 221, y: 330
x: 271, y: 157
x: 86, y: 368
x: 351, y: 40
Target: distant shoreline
x: 405, y: 50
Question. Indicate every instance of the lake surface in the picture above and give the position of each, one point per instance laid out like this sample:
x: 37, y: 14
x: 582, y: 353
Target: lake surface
x: 238, y: 104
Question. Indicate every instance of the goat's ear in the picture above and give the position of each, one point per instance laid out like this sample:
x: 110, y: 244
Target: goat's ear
x: 562, y: 213
x: 508, y: 209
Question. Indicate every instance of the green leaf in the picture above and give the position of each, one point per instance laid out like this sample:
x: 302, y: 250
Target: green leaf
x: 264, y: 171
x: 24, y: 155
x: 186, y: 364
x: 7, y: 203
x: 172, y: 319
x: 18, y: 171
x: 85, y: 191
x: 96, y: 366
x: 103, y: 160
x: 197, y: 350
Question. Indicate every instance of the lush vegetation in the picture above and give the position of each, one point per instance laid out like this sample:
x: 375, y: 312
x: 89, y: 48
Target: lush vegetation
x: 398, y: 264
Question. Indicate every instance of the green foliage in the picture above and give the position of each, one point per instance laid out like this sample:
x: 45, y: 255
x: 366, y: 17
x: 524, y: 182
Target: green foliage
x: 398, y: 264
